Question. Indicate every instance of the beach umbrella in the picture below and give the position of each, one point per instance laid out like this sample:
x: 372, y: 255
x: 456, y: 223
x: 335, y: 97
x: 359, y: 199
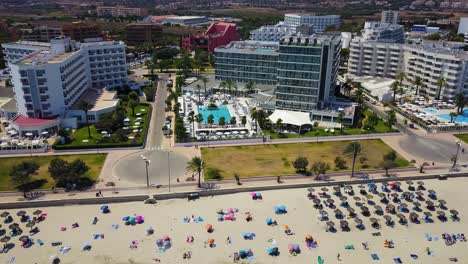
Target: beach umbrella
x: 420, y: 183
x: 166, y: 237
x: 403, y: 205
x: 357, y: 198
x: 208, y: 226
x: 394, y: 195
x: 454, y: 212
x: 330, y: 223
x: 30, y: 224
x: 400, y: 216
x: 410, y: 182
x: 5, y: 239
x: 373, y: 220
x: 322, y: 212
x: 211, y: 240
x: 361, y: 186
x: 350, y: 209
x: 5, y: 214
x: 337, y: 211
x: 416, y: 204
x: 364, y: 208
x: 336, y: 188
x: 441, y: 213
x: 344, y: 223
x: 381, y: 195
x: 427, y: 213
x: 308, y: 237
x: 431, y: 191
x: 343, y: 198
x: 442, y: 202
x: 24, y: 238
x: 397, y: 183
x: 316, y: 201
x: 324, y: 189
x: 54, y: 259
x: 387, y: 217
x: 429, y: 203
x: 310, y: 189
x: 37, y: 212
x: 377, y: 207
x: 13, y: 226
x: 285, y: 227
x: 329, y: 200
x: 21, y: 213
x: 390, y: 207
x: 414, y: 215
x: 369, y: 196
x: 385, y: 183
x: 349, y: 187
x: 357, y: 220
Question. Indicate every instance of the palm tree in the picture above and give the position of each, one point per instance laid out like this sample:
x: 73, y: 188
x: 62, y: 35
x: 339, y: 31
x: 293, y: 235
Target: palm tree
x: 85, y: 106
x: 205, y: 81
x: 279, y: 123
x: 133, y: 104
x: 223, y: 85
x: 199, y: 118
x: 348, y: 86
x: 460, y: 102
x: 453, y: 116
x: 198, y: 89
x: 250, y: 86
x: 401, y: 76
x: 231, y: 85
x: 391, y: 119
x: 441, y: 83
x: 191, y: 119
x: 418, y: 82
x: 353, y: 150
x: 196, y: 165
x: 340, y: 119
x: 253, y: 116
x: 395, y: 88
x: 210, y: 119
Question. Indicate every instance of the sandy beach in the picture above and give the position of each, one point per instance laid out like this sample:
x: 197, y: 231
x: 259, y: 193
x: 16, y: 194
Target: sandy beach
x: 166, y: 218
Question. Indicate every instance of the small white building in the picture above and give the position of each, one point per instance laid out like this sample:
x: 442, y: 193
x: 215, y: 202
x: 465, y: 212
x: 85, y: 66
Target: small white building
x: 463, y: 26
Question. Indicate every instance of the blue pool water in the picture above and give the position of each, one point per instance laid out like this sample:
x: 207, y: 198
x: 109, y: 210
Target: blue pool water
x: 222, y: 111
x: 461, y: 118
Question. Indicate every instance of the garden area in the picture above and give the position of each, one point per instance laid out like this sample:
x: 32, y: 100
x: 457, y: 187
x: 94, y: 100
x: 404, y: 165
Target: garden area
x: 370, y: 124
x: 280, y: 159
x: 46, y: 172
x: 462, y: 137
x: 124, y: 127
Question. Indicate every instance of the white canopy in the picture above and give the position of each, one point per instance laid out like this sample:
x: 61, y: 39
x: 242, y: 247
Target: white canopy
x: 291, y: 117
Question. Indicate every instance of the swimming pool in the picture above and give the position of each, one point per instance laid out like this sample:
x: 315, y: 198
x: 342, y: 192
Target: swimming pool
x: 461, y: 118
x: 222, y: 111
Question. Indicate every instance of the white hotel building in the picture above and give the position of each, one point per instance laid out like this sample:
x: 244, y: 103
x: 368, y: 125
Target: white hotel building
x: 49, y: 78
x: 320, y: 23
x: 431, y: 61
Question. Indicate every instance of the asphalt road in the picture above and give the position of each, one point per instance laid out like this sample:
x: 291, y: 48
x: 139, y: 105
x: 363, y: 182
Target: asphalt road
x: 133, y: 169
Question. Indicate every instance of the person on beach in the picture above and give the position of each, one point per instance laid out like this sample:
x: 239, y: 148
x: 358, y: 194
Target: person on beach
x: 338, y: 257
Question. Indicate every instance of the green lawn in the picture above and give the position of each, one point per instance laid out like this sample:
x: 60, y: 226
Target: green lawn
x: 277, y: 159
x: 94, y: 162
x: 82, y: 133
x: 320, y: 132
x: 463, y: 137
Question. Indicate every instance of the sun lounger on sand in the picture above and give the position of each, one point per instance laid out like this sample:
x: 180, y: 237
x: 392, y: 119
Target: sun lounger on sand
x: 40, y: 242
x: 349, y: 247
x: 55, y: 244
x: 375, y: 257
x: 428, y: 237
x: 414, y: 256
x: 397, y: 260
x: 376, y: 234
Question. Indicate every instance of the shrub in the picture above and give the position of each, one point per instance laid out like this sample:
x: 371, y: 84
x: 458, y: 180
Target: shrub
x: 213, y: 173
x: 300, y: 164
x: 340, y: 163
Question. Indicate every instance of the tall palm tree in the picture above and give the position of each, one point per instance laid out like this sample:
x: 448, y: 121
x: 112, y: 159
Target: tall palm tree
x: 279, y: 123
x: 460, y: 102
x: 223, y: 85
x: 348, y: 86
x: 395, y: 88
x: 191, y: 119
x: 85, y: 106
x: 441, y: 83
x: 401, y: 76
x: 199, y: 118
x: 196, y: 165
x: 231, y: 85
x: 353, y: 150
x: 253, y: 116
x: 340, y: 119
x: 205, y: 81
x: 250, y: 86
x: 417, y: 82
x: 198, y: 90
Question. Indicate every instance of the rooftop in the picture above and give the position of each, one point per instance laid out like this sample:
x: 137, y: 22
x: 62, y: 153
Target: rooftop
x: 101, y: 99
x: 444, y: 48
x: 250, y: 46
x: 310, y: 40
x: 28, y: 121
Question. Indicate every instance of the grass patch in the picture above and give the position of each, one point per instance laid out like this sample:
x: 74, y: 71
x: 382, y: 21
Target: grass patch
x: 276, y: 159
x: 463, y: 137
x: 94, y: 162
x: 82, y: 133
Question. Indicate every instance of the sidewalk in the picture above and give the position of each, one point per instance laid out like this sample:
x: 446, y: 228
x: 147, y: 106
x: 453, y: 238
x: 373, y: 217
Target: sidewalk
x: 213, y: 185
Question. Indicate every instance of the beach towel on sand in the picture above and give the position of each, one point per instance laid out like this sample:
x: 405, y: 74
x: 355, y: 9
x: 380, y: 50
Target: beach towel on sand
x: 375, y: 257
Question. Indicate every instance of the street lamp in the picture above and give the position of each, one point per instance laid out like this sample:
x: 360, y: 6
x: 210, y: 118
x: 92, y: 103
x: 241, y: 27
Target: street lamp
x: 147, y: 163
x: 168, y: 165
x: 456, y: 154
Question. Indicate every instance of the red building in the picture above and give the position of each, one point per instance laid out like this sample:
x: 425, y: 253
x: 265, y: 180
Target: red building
x: 218, y: 34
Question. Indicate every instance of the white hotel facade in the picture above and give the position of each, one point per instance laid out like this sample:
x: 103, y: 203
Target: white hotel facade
x: 49, y: 78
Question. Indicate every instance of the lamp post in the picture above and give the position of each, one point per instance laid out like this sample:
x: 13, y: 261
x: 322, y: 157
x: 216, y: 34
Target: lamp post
x: 168, y: 165
x: 456, y: 154
x: 147, y: 163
